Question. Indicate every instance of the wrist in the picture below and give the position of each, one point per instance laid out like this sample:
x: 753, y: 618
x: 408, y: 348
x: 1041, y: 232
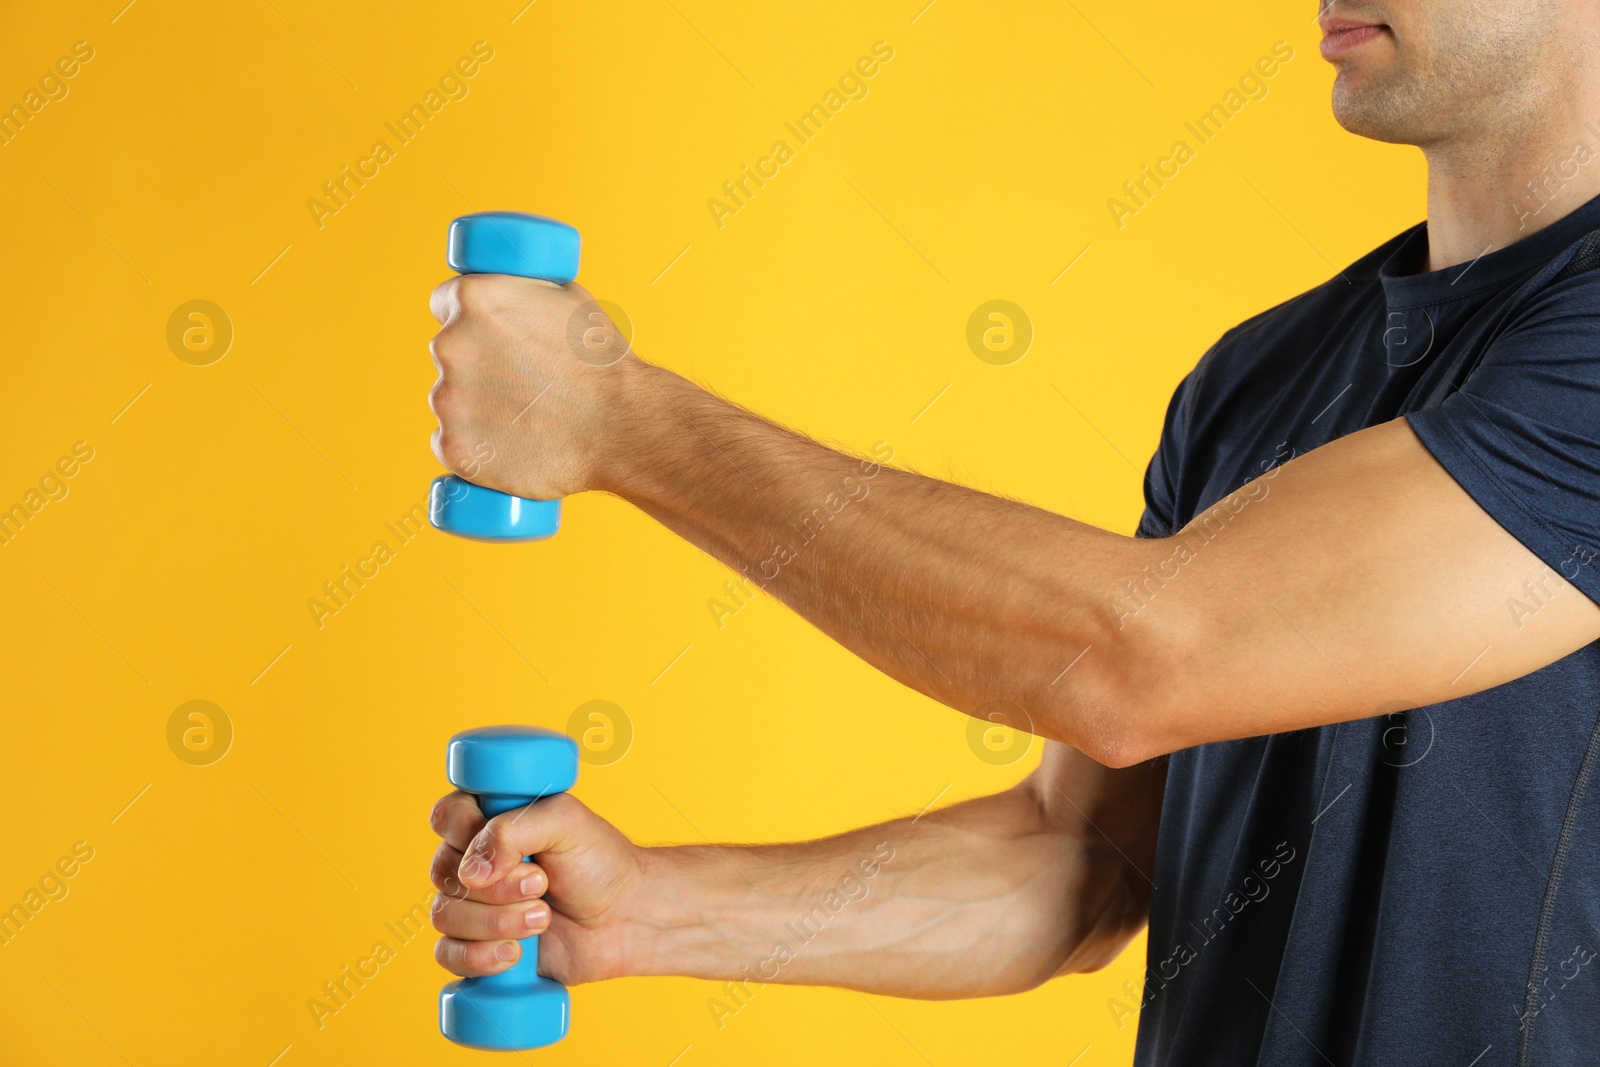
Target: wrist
x: 642, y: 421
x: 684, y: 915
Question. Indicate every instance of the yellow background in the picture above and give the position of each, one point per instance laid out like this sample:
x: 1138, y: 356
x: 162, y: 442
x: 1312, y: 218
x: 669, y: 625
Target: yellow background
x: 179, y: 565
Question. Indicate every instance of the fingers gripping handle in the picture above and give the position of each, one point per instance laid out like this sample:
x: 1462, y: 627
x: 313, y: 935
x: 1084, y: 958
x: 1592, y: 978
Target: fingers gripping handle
x: 530, y: 246
x: 507, y: 767
x: 525, y: 971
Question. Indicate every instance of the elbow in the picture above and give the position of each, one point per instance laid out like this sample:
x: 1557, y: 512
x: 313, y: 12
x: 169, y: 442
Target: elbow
x: 1120, y: 753
x: 1126, y: 700
x: 1120, y: 747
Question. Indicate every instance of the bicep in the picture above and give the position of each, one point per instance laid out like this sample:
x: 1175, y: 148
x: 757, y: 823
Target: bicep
x: 1354, y: 580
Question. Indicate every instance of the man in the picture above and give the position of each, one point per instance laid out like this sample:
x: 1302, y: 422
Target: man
x: 1381, y: 495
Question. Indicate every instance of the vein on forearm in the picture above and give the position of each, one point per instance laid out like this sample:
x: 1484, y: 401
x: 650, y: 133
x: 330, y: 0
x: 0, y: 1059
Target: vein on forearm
x: 978, y: 899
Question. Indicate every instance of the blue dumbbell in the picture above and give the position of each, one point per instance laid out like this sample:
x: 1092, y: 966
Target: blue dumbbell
x: 530, y: 246
x: 507, y: 767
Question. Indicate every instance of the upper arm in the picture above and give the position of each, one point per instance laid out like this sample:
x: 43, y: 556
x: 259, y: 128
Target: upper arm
x: 1365, y: 576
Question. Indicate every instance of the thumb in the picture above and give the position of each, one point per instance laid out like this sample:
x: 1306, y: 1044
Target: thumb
x: 546, y: 825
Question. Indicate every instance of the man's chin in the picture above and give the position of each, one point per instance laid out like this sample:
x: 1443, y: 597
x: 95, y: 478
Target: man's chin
x: 1367, y: 111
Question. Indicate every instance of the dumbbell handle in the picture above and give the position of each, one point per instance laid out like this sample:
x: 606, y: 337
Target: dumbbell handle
x: 528, y: 246
x: 525, y: 971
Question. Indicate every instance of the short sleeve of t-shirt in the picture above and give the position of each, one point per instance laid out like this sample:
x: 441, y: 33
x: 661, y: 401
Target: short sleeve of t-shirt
x: 1160, y: 518
x: 1522, y: 434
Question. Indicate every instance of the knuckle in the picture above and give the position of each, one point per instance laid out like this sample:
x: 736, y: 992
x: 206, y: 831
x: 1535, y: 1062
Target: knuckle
x: 507, y: 922
x: 439, y: 869
x: 495, y: 892
x: 526, y: 871
x: 563, y: 809
x: 459, y: 822
x: 462, y: 807
x: 473, y: 293
x: 453, y: 344
x: 558, y: 806
x: 500, y: 830
x: 492, y: 843
x: 446, y: 445
x: 480, y: 957
x: 442, y: 397
x: 443, y: 875
x: 436, y: 817
x: 456, y: 436
x: 444, y: 348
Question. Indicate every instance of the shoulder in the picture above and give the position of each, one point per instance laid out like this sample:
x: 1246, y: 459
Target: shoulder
x: 1567, y: 286
x: 1356, y: 286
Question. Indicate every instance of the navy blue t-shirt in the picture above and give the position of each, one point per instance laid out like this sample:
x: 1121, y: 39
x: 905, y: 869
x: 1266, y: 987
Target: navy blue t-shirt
x: 1415, y: 887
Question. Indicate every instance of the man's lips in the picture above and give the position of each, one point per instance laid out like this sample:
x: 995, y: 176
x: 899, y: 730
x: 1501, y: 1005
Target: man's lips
x: 1344, y: 35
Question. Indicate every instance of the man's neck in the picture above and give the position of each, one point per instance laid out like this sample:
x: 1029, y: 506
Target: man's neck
x: 1488, y: 194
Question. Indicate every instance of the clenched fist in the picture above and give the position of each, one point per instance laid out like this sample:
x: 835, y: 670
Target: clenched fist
x: 529, y: 391
x: 580, y: 896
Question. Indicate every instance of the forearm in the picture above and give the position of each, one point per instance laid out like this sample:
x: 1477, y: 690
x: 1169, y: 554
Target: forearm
x: 979, y: 602
x: 979, y: 899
